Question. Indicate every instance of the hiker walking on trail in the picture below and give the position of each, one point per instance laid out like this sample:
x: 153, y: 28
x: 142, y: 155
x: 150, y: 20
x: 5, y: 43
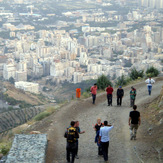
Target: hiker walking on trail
x: 97, y: 127
x: 104, y: 139
x: 132, y: 96
x: 94, y: 92
x: 71, y: 134
x: 109, y: 91
x: 120, y: 94
x: 134, y: 122
x: 77, y: 141
x: 149, y: 83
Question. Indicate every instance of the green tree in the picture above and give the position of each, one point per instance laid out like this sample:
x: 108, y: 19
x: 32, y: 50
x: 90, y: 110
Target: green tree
x: 103, y: 82
x: 12, y: 80
x: 136, y: 74
x: 121, y: 81
x: 152, y: 72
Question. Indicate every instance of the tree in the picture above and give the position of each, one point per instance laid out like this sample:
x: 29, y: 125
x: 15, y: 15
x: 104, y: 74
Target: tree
x: 136, y: 74
x: 152, y: 72
x: 12, y: 80
x: 103, y: 82
x: 121, y: 81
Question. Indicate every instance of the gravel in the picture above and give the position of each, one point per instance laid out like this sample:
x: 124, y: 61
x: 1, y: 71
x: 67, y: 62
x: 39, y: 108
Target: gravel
x: 28, y: 149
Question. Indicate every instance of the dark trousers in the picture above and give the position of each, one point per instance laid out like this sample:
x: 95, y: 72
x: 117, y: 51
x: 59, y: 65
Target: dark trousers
x: 100, y: 150
x: 105, y: 147
x: 119, y: 100
x: 93, y: 98
x: 71, y: 149
x: 132, y: 102
x: 109, y: 97
x: 77, y: 144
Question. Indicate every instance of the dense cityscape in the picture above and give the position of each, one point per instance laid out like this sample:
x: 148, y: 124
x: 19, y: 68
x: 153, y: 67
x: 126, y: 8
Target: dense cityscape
x: 92, y: 68
x: 73, y: 42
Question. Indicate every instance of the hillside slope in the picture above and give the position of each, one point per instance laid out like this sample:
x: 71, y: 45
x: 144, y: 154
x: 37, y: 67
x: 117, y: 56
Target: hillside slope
x: 20, y: 95
x: 144, y: 149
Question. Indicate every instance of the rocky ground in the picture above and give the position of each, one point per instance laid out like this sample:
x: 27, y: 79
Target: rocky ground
x: 121, y: 149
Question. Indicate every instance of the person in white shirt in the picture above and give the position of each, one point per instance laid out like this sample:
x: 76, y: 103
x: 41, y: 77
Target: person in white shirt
x: 104, y: 139
x: 149, y: 83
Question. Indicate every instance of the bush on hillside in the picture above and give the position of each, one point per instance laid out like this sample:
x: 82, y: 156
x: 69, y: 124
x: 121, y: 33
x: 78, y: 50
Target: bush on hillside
x: 103, y: 82
x: 86, y: 94
x: 12, y: 80
x: 121, y: 81
x: 88, y: 89
x: 5, y: 148
x: 152, y: 72
x: 41, y: 116
x: 136, y: 74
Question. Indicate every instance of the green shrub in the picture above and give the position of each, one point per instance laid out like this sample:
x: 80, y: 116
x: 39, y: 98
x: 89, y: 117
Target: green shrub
x: 12, y: 80
x: 41, y: 116
x: 136, y: 74
x: 10, y: 108
x: 103, y: 82
x: 121, y: 81
x: 5, y: 148
x: 88, y: 89
x: 152, y: 72
x: 86, y: 94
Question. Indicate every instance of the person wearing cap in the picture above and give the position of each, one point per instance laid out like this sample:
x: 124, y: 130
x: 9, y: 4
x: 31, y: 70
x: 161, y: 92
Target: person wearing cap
x: 149, y: 83
x: 120, y: 94
x: 94, y: 92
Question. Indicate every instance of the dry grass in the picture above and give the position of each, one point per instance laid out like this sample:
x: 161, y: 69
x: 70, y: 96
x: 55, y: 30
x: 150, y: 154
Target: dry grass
x: 21, y: 95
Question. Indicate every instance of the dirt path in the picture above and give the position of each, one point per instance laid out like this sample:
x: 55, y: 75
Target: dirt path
x: 121, y: 149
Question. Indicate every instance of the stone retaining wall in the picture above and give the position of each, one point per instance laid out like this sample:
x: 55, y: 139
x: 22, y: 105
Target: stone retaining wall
x: 28, y: 149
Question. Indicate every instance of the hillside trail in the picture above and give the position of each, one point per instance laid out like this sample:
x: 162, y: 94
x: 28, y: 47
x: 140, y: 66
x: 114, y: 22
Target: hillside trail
x: 121, y: 149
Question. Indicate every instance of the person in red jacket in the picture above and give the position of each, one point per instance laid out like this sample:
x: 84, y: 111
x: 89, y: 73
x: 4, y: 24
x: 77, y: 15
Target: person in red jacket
x: 109, y: 91
x: 94, y: 92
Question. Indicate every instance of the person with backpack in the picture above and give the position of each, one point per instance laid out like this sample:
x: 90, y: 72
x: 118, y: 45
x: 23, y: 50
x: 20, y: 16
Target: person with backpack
x: 132, y: 96
x: 71, y: 134
x: 120, y: 94
x: 109, y: 91
x: 93, y: 91
x: 149, y: 83
x: 77, y: 141
x: 97, y: 127
x: 134, y: 122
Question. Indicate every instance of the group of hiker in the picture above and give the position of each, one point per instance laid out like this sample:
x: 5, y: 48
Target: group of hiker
x: 120, y: 93
x: 101, y: 137
x: 102, y: 129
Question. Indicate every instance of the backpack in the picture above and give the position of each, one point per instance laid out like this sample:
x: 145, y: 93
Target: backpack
x: 71, y: 133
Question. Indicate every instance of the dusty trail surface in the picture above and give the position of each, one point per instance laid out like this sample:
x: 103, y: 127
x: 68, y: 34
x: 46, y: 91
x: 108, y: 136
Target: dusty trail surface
x: 121, y: 149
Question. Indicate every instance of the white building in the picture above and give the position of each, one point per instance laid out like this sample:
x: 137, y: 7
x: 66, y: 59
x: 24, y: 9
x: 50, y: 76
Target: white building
x: 83, y: 59
x: 9, y: 70
x: 21, y: 76
x: 28, y: 86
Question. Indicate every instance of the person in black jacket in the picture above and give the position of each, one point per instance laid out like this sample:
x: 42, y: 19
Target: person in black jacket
x: 72, y: 135
x: 120, y: 94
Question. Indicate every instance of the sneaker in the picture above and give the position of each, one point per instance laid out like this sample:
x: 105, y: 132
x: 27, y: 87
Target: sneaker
x: 77, y: 157
x: 131, y: 137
